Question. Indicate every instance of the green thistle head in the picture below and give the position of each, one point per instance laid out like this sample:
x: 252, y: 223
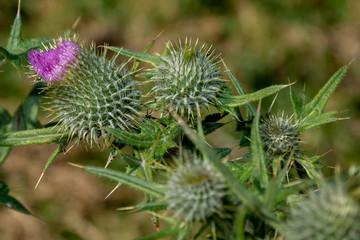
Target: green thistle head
x: 87, y: 93
x: 186, y: 80
x: 196, y: 191
x: 330, y: 213
x: 280, y: 134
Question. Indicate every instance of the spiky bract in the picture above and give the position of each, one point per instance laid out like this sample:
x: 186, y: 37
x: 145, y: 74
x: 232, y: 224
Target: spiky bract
x: 330, y: 213
x: 186, y: 79
x: 93, y: 94
x: 196, y: 191
x: 280, y: 134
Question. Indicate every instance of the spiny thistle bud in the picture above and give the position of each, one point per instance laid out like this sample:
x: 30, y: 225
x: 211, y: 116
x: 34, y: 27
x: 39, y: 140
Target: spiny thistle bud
x: 279, y: 134
x: 330, y: 213
x: 186, y: 79
x: 87, y: 92
x: 196, y: 191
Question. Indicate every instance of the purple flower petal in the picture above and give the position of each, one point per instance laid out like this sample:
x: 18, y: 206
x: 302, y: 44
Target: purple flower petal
x: 51, y: 65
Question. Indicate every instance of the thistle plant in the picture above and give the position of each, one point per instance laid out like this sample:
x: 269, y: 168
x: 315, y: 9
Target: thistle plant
x: 187, y: 79
x: 219, y: 193
x: 195, y: 191
x: 87, y: 93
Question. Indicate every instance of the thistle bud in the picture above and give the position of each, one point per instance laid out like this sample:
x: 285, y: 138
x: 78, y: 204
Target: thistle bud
x: 186, y: 80
x: 330, y: 213
x: 87, y: 92
x: 279, y: 134
x: 195, y: 191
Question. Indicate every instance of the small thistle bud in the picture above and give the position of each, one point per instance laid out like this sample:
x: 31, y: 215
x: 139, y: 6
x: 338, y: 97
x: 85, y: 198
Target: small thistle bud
x: 87, y: 92
x: 279, y: 134
x: 187, y: 79
x: 330, y: 213
x: 195, y: 191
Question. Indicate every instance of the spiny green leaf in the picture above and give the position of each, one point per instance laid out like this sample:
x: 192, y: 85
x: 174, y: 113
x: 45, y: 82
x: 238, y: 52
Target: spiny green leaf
x: 5, y: 126
x: 58, y: 150
x: 152, y: 136
x: 28, y: 44
x: 147, y: 48
x: 242, y: 170
x: 152, y: 206
x: 235, y: 101
x: 293, y: 188
x: 61, y: 148
x: 318, y: 103
x: 15, y: 32
x: 210, y: 124
x: 132, y: 139
x: 35, y: 136
x: 257, y: 153
x: 16, y: 49
x: 317, y: 120
x: 240, y: 91
x: 133, y: 162
x: 298, y: 104
x: 151, y: 188
x: 8, y: 201
x: 309, y: 168
x: 141, y: 56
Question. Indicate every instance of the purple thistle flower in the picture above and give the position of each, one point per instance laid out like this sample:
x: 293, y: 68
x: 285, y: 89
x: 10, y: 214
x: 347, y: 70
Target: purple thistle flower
x: 51, y: 65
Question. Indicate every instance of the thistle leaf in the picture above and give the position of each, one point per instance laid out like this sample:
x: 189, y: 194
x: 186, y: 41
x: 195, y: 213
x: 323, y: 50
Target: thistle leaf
x: 8, y: 201
x: 151, y: 206
x: 59, y: 149
x: 257, y: 153
x: 235, y: 101
x: 140, y: 56
x: 131, y: 160
x: 16, y: 49
x: 309, y: 168
x: 5, y: 126
x: 151, y: 188
x: 242, y: 171
x: 35, y: 136
x: 152, y: 135
x: 298, y: 104
x: 240, y: 90
x: 15, y: 32
x: 318, y: 103
x: 317, y: 120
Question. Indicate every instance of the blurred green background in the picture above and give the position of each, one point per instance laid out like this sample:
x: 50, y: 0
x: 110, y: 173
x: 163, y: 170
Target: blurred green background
x: 263, y: 42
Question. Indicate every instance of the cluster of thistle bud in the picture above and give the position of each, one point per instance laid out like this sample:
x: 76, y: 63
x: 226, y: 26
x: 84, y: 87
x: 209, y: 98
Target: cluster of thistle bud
x: 87, y: 92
